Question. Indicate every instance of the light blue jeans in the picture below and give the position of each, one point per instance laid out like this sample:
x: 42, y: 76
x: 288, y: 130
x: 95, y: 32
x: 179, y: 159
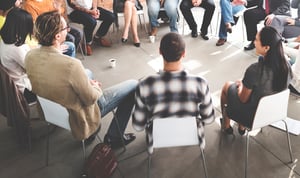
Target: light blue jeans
x: 120, y: 96
x: 227, y: 13
x: 71, y: 51
x: 170, y: 7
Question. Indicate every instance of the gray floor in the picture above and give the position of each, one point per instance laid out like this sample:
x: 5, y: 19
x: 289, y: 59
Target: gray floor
x: 224, y: 154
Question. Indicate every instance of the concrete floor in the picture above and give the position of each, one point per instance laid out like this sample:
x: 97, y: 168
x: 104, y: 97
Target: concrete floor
x: 268, y: 155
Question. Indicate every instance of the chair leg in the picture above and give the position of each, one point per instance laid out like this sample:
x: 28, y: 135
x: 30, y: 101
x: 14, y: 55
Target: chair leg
x: 204, y: 163
x: 145, y: 25
x: 246, y: 156
x: 29, y: 139
x: 121, y: 135
x: 81, y: 50
x: 83, y: 149
x: 149, y: 163
x: 289, y: 141
x: 47, y: 145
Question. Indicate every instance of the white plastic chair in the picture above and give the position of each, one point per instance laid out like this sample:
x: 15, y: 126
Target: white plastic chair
x: 57, y: 115
x: 271, y: 109
x: 196, y: 11
x: 183, y: 129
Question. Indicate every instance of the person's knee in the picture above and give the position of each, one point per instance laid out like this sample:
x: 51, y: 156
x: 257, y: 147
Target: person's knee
x: 225, y: 87
x: 111, y: 17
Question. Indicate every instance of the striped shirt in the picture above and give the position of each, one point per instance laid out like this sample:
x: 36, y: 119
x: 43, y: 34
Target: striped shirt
x: 172, y: 94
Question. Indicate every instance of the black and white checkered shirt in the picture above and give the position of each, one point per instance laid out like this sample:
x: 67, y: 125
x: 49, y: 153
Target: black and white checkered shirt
x: 172, y: 94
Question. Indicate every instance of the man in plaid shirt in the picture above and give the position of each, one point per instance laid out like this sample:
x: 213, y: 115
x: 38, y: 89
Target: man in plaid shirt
x: 172, y: 92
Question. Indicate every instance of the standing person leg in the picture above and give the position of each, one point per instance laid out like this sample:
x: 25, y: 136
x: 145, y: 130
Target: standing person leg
x: 120, y: 96
x: 171, y: 10
x: 108, y: 18
x: 185, y: 8
x: 208, y: 14
x: 153, y: 10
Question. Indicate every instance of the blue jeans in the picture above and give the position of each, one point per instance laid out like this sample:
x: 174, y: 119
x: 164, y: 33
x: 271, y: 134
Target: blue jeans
x: 171, y: 9
x: 120, y: 96
x: 227, y: 13
x: 71, y: 49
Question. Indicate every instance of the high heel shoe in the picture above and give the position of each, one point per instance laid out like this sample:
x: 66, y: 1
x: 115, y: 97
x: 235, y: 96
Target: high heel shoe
x: 124, y: 40
x: 137, y: 44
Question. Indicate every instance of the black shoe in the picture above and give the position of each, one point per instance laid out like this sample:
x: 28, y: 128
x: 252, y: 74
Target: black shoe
x: 124, y: 40
x: 117, y: 142
x: 204, y: 36
x: 137, y: 44
x: 249, y: 46
x: 194, y: 33
x: 241, y: 132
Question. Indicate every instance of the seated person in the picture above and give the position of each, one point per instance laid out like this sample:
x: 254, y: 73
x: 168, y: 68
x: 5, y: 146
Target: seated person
x: 62, y: 79
x: 37, y: 7
x: 289, y: 27
x: 130, y: 18
x: 228, y: 10
x: 290, y: 48
x: 87, y: 13
x: 265, y: 12
x: 209, y: 7
x: 271, y: 74
x: 18, y: 25
x: 172, y: 92
x: 295, y: 83
x: 170, y: 7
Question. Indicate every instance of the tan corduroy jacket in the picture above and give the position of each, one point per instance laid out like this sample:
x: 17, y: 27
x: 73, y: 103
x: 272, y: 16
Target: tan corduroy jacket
x: 62, y: 79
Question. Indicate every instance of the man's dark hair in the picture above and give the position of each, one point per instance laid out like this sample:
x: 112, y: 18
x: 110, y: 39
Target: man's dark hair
x: 172, y: 47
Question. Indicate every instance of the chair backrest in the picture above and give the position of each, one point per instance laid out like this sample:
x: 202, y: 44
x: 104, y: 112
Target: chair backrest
x: 271, y: 108
x: 172, y: 131
x: 55, y: 113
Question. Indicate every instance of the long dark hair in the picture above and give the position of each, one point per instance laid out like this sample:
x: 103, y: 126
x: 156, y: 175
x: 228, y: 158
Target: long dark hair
x: 275, y: 57
x: 18, y: 25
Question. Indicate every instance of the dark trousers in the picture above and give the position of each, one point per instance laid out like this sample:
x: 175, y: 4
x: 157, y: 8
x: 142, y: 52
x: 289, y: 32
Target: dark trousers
x: 74, y: 36
x: 252, y: 17
x: 89, y: 22
x: 209, y: 7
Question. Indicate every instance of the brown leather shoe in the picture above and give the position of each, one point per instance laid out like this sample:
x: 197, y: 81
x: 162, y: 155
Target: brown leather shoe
x: 89, y: 50
x: 221, y: 42
x: 153, y: 31
x: 104, y: 42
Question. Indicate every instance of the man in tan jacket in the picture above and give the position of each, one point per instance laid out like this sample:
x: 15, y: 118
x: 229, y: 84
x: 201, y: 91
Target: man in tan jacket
x: 62, y: 79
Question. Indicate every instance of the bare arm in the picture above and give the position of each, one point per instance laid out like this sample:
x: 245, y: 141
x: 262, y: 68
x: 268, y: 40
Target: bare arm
x: 243, y: 92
